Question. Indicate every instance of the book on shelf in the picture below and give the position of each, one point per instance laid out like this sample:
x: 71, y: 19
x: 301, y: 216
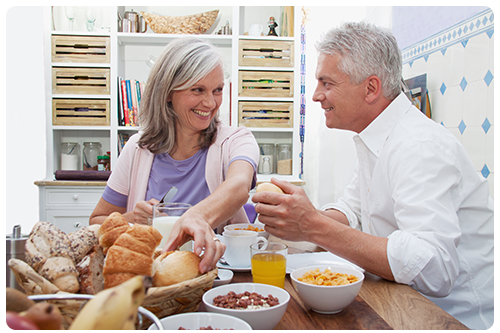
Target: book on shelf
x: 122, y: 140
x: 129, y: 101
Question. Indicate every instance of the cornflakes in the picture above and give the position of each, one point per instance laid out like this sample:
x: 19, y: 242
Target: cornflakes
x: 327, y: 278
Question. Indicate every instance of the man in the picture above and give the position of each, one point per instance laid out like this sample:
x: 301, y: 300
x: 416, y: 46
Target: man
x: 416, y: 211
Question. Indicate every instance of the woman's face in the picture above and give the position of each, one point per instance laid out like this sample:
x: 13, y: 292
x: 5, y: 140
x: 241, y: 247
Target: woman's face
x: 197, y: 105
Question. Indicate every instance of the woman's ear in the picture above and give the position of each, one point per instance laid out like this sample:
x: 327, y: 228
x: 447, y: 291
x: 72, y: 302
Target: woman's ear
x: 373, y: 88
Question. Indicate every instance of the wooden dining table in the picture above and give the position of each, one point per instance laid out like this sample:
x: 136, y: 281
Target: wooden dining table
x: 379, y: 305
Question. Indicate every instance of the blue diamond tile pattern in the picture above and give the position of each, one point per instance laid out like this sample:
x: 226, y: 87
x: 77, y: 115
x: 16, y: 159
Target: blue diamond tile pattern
x: 442, y: 89
x: 488, y: 78
x: 461, y: 33
x: 463, y: 84
x: 486, y: 125
x: 462, y: 127
x: 485, y: 171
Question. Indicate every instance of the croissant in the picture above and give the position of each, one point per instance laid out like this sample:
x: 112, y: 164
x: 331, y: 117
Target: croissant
x: 112, y: 227
x: 131, y: 255
x: 48, y: 251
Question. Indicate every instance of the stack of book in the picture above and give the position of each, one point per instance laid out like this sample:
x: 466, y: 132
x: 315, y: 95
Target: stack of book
x: 129, y: 101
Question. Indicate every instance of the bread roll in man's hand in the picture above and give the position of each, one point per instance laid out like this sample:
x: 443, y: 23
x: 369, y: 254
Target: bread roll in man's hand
x: 269, y: 187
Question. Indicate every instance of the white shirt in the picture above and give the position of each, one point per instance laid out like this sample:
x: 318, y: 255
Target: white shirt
x: 415, y: 184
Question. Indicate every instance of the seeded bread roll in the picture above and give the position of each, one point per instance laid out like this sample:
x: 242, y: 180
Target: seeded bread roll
x: 48, y: 252
x: 175, y: 266
x: 83, y: 241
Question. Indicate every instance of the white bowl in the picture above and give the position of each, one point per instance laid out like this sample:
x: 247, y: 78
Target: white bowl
x: 244, y: 226
x: 261, y: 319
x: 224, y: 277
x: 197, y: 320
x: 327, y: 299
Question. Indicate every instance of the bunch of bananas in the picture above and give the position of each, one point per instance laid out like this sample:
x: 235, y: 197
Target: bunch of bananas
x: 114, y: 308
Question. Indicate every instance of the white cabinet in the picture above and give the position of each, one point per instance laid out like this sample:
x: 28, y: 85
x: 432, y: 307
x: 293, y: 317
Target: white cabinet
x: 129, y: 52
x: 67, y: 205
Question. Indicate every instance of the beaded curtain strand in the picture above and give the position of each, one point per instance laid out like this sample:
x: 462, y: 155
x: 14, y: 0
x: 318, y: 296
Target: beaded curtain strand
x: 302, y: 88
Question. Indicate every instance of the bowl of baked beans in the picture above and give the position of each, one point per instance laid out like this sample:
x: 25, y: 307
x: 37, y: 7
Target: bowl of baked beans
x: 201, y: 321
x: 328, y: 288
x: 260, y: 305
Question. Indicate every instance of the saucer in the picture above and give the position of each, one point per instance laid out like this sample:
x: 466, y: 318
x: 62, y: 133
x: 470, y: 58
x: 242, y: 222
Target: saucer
x: 234, y: 268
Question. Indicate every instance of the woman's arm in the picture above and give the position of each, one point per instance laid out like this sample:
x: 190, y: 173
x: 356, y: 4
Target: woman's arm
x: 142, y: 211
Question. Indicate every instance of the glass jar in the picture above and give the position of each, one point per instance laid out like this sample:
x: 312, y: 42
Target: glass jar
x: 266, y: 161
x: 284, y: 151
x: 70, y: 156
x: 91, y: 150
x: 103, y: 163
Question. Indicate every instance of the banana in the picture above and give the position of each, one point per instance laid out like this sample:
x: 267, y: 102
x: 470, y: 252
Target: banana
x: 114, y: 308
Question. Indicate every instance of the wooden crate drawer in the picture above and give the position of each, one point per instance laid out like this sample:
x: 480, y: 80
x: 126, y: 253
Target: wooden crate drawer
x: 71, y: 80
x: 80, y: 49
x: 56, y: 197
x: 264, y: 53
x: 265, y: 84
x: 265, y: 114
x: 85, y: 112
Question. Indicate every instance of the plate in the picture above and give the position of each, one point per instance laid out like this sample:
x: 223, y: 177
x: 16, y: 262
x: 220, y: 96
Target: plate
x: 224, y: 277
x: 234, y: 268
x: 294, y: 261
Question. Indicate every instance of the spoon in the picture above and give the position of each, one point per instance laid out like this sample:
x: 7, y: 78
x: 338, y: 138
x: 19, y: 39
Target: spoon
x: 169, y: 195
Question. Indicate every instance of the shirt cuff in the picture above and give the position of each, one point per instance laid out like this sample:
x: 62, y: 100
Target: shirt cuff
x: 351, y: 217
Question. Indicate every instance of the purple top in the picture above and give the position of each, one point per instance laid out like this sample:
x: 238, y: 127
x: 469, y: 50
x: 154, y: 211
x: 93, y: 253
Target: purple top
x: 187, y: 175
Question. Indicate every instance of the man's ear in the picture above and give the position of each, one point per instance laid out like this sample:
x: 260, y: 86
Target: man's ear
x: 373, y: 88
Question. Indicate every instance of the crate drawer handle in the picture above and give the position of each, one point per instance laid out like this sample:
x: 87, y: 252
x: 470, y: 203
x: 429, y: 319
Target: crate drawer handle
x: 81, y: 46
x: 82, y: 77
x: 75, y: 197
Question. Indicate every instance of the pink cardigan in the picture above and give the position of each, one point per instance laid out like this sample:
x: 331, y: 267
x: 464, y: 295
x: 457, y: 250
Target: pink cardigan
x: 131, y: 173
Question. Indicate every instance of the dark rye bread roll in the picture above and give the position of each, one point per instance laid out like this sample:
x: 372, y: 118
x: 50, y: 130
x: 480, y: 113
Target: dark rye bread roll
x: 90, y: 272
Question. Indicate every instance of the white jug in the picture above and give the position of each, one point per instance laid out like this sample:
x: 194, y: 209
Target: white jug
x: 255, y: 29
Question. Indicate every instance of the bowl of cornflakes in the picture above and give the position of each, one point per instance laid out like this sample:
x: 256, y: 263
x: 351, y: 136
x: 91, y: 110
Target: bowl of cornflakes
x: 328, y: 288
x: 257, y: 226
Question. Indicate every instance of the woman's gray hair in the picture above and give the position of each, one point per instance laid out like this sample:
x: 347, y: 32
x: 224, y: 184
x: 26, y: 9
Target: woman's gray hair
x: 366, y: 50
x: 181, y: 64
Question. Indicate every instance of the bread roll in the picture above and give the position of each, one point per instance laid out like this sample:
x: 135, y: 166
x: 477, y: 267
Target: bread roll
x: 131, y: 254
x: 83, y: 241
x: 90, y: 272
x: 112, y: 227
x: 174, y: 267
x: 269, y: 187
x: 48, y: 252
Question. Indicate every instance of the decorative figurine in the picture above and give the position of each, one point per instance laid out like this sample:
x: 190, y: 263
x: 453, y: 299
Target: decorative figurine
x: 272, y: 27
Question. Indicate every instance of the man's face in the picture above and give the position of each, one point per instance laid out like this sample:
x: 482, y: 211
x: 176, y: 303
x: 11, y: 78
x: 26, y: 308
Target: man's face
x: 341, y: 100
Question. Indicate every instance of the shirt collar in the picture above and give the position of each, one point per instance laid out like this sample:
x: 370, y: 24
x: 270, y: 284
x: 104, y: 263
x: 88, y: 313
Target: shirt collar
x: 376, y: 133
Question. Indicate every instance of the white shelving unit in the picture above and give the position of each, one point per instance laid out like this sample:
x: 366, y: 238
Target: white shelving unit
x: 128, y: 53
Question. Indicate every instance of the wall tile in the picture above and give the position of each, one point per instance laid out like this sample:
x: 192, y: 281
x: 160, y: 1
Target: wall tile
x: 453, y: 103
x: 474, y: 142
x: 475, y: 103
x: 489, y: 144
x: 453, y: 68
x: 476, y: 57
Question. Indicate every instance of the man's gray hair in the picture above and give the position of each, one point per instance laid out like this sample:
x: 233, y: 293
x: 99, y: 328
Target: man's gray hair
x: 366, y: 50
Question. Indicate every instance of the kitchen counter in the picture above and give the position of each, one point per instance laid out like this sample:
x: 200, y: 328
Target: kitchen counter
x: 70, y: 183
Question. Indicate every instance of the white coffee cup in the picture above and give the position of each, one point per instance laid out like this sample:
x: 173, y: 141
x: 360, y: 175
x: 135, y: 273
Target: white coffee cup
x: 238, y: 246
x: 255, y: 29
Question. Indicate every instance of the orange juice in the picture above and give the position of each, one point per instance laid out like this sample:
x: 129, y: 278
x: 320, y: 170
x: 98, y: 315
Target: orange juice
x: 269, y: 268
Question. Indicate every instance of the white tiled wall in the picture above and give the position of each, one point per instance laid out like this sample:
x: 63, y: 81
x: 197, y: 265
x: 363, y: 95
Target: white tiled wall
x: 460, y: 82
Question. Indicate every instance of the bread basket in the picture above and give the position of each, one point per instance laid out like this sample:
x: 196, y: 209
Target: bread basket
x: 190, y: 24
x: 160, y: 301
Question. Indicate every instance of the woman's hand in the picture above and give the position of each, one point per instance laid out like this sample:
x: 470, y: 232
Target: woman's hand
x: 193, y: 225
x: 143, y: 211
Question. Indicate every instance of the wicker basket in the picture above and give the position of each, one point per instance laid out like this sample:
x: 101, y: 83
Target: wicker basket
x: 161, y: 301
x: 190, y: 24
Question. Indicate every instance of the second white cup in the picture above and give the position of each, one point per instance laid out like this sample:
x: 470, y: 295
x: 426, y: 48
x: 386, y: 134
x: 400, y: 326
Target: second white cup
x: 238, y: 246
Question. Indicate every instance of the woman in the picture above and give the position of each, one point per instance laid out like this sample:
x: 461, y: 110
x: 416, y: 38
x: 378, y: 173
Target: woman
x: 183, y: 144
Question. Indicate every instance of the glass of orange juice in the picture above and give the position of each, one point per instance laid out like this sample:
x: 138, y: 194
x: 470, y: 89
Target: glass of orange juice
x: 269, y: 263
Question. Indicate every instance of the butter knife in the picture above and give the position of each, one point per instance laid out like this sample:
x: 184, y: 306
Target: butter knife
x: 169, y: 195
